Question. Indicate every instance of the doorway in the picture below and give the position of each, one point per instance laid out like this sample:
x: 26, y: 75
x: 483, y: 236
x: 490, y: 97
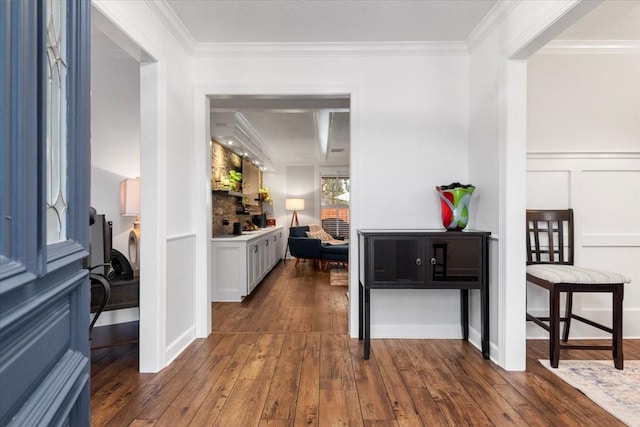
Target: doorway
x: 299, y: 136
x: 117, y: 120
x: 582, y: 141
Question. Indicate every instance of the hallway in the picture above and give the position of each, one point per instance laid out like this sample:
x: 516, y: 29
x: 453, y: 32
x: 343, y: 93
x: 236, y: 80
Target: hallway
x: 283, y: 358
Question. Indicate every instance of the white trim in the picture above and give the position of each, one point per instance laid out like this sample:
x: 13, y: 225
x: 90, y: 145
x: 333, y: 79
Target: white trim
x: 354, y: 257
x: 595, y: 155
x: 179, y: 345
x: 628, y: 47
x: 179, y: 236
x: 202, y: 212
x: 331, y: 49
x: 153, y: 112
x: 114, y: 14
x: 174, y: 24
x: 512, y: 207
x: 475, y: 339
x: 560, y: 16
x: 489, y: 23
x: 590, y: 240
x: 413, y: 331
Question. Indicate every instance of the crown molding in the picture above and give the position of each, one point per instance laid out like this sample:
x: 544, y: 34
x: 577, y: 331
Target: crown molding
x: 173, y: 23
x: 490, y: 22
x: 591, y: 47
x: 332, y: 49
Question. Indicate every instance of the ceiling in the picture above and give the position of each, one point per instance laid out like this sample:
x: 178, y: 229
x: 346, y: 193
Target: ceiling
x: 291, y: 127
x: 337, y: 21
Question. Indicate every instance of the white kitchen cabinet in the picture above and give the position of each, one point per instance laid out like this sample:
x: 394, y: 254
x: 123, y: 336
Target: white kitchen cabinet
x: 253, y: 265
x: 279, y: 245
x: 271, y: 249
x: 263, y: 249
x: 239, y: 263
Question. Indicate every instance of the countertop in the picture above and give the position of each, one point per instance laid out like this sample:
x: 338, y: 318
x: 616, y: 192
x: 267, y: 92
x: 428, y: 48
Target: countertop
x: 245, y: 236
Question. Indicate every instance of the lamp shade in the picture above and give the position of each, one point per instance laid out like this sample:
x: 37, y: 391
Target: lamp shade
x: 294, y: 204
x: 130, y: 197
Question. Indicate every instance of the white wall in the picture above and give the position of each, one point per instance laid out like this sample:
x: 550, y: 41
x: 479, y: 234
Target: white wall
x: 285, y: 185
x: 583, y: 103
x: 115, y: 135
x: 583, y: 144
x: 409, y: 131
x: 303, y: 183
x: 115, y: 144
x: 294, y: 182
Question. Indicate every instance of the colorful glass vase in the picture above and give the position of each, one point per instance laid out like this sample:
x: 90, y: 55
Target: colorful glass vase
x: 454, y: 202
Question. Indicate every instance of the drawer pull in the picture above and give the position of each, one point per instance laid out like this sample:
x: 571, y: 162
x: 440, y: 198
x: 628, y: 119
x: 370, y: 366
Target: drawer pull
x: 433, y: 261
x: 418, y: 261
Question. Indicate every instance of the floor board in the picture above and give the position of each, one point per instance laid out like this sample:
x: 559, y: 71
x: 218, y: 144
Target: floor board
x: 283, y: 357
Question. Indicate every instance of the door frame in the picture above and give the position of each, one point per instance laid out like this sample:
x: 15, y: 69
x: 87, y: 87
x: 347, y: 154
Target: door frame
x: 153, y: 113
x: 512, y: 179
x: 202, y: 182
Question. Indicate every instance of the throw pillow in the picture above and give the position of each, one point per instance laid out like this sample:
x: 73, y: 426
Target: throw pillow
x: 322, y: 235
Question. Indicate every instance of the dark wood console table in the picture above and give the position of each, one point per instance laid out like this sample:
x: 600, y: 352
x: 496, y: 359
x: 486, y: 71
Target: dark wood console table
x: 424, y: 259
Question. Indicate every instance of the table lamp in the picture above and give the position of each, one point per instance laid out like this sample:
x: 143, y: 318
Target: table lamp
x: 130, y: 206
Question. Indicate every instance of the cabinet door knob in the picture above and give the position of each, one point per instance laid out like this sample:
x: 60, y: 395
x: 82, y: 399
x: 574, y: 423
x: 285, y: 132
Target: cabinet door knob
x: 433, y: 261
x: 418, y: 261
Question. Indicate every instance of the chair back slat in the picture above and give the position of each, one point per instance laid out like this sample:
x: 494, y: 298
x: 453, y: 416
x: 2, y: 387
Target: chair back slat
x: 550, y: 236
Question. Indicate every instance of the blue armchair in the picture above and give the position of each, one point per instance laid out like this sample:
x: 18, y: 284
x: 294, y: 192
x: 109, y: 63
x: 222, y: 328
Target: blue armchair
x: 303, y: 247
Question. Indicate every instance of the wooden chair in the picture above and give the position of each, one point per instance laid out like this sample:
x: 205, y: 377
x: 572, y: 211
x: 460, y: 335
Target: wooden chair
x: 550, y: 254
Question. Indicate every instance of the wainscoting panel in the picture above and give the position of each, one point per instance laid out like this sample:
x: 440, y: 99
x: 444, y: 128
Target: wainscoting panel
x: 548, y: 189
x: 180, y: 294
x: 602, y: 189
x: 611, y: 198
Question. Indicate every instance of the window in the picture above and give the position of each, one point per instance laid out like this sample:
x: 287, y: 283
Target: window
x: 57, y: 92
x: 334, y: 211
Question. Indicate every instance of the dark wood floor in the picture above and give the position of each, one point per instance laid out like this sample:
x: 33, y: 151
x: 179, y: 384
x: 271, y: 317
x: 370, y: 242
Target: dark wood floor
x: 283, y: 358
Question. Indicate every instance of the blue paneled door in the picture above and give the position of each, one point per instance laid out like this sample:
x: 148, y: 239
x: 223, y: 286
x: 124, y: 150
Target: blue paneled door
x: 44, y: 212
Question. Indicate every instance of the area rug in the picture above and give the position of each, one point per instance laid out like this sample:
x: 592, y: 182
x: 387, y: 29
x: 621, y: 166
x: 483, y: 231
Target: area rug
x: 338, y: 276
x: 618, y: 392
